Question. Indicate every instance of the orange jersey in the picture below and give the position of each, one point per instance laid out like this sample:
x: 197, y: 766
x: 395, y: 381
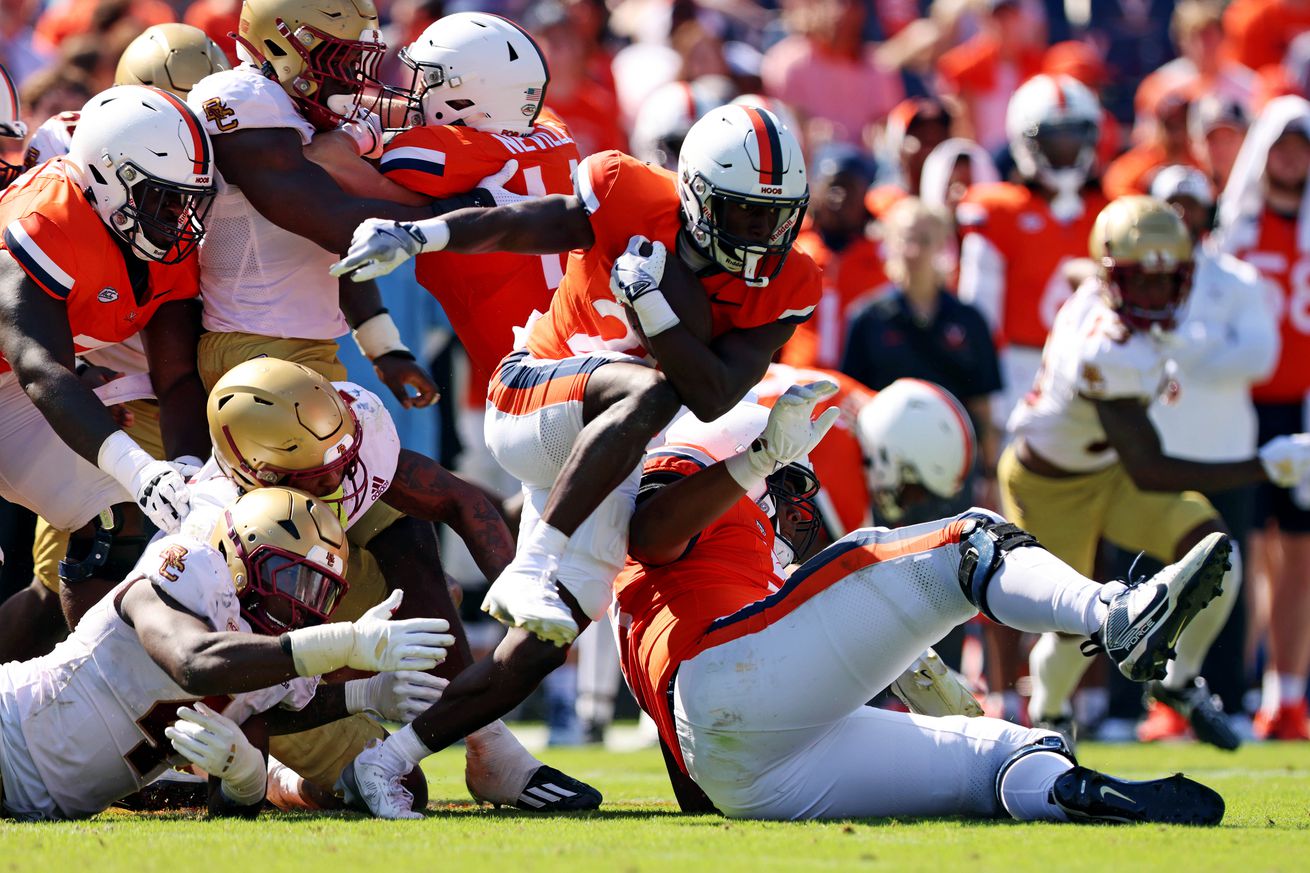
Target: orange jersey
x: 1276, y: 255
x: 838, y: 460
x: 1257, y: 33
x: 625, y: 197
x: 665, y: 612
x: 1019, y: 225
x: 850, y: 278
x: 485, y: 296
x: 1133, y: 171
x: 59, y: 240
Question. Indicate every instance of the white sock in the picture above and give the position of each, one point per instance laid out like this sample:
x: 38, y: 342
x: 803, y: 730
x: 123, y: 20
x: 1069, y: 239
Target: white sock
x: 1035, y: 591
x: 1026, y: 787
x: 404, y: 747
x: 1056, y: 665
x: 1202, y: 631
x: 496, y: 766
x: 545, y: 541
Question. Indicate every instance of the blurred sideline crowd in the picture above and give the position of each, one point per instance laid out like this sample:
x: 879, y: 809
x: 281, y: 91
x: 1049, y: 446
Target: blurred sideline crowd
x: 948, y: 237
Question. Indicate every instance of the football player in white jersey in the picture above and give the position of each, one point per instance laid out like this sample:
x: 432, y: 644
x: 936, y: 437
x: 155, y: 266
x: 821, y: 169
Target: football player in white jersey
x: 275, y: 422
x: 1086, y: 462
x: 236, y: 621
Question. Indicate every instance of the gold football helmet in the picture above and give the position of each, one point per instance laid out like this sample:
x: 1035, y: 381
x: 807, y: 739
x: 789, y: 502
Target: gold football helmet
x: 287, y: 555
x: 317, y: 49
x: 170, y: 56
x: 1144, y: 256
x: 273, y: 422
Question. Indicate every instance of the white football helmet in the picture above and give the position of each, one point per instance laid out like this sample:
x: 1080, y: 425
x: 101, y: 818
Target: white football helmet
x: 914, y: 433
x: 667, y: 115
x: 147, y: 162
x: 794, y: 486
x: 476, y: 68
x: 1053, y: 124
x: 742, y: 156
x: 11, y: 128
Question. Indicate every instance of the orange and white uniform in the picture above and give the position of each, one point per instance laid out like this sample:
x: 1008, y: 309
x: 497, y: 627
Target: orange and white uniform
x: 1012, y: 258
x: 757, y: 681
x: 56, y: 237
x: 838, y: 460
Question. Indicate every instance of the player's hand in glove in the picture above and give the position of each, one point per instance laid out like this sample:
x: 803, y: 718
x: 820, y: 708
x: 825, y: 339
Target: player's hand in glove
x: 494, y: 185
x: 159, y: 487
x: 217, y: 745
x: 372, y: 642
x: 365, y: 130
x: 377, y: 247
x: 789, y: 434
x: 1286, y: 459
x: 635, y: 281
x: 401, y: 696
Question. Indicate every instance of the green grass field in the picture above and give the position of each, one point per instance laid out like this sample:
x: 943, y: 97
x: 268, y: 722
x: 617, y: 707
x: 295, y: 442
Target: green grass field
x: 1267, y: 828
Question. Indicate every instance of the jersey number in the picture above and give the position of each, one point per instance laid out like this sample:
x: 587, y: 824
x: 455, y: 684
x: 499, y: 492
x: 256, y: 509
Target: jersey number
x: 155, y: 749
x: 551, y: 265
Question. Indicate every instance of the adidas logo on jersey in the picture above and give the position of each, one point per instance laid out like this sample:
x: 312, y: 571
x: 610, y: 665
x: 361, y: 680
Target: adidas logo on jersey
x: 378, y: 487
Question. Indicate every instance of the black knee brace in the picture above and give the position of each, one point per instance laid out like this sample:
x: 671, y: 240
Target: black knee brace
x: 980, y: 554
x: 109, y: 547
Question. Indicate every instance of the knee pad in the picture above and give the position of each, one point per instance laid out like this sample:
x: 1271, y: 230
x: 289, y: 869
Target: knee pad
x: 109, y: 547
x: 981, y: 551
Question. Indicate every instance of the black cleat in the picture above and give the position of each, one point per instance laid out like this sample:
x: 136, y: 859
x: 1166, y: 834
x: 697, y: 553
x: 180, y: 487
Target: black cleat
x: 549, y: 790
x: 1203, y: 711
x: 1088, y: 796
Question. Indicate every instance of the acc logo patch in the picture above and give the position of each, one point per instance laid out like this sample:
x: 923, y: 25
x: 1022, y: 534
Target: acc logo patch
x: 107, y: 295
x: 172, y: 559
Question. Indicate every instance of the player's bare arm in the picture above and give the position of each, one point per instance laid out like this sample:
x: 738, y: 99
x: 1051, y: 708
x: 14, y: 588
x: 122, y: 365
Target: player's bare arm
x: 667, y: 521
x: 423, y: 489
x: 711, y: 379
x: 1134, y: 437
x: 171, y: 339
x: 395, y: 366
x: 337, y: 153
x: 35, y: 338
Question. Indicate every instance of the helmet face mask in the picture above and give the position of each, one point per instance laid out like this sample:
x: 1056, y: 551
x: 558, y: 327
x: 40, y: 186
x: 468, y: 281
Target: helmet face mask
x: 162, y: 221
x: 12, y: 130
x: 1053, y: 123
x: 790, y: 502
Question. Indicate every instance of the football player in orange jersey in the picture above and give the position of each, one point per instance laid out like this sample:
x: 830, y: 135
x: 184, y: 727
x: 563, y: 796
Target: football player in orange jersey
x: 757, y: 678
x: 571, y: 413
x: 1264, y: 220
x: 1017, y: 238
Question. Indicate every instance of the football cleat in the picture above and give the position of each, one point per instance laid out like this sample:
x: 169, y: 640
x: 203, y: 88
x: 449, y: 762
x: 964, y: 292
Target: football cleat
x: 1144, y: 621
x: 929, y: 687
x: 370, y: 784
x: 1203, y: 711
x: 1287, y: 723
x: 526, y: 596
x: 549, y: 790
x: 1088, y: 796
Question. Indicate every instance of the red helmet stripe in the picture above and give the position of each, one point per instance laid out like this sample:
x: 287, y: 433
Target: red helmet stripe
x: 766, y: 135
x: 199, y: 142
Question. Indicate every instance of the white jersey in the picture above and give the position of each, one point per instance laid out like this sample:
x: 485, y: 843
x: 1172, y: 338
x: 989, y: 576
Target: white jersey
x: 83, y: 726
x: 1090, y: 355
x: 379, y: 452
x: 256, y: 277
x: 1232, y: 325
x: 51, y: 139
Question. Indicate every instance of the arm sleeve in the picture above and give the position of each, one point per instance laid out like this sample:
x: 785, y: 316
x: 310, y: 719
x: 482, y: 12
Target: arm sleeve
x: 982, y: 277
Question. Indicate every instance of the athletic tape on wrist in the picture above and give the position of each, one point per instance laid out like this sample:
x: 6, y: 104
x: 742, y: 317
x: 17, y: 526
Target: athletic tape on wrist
x: 654, y: 313
x: 379, y: 336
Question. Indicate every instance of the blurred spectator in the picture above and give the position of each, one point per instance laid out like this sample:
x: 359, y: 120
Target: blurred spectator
x: 849, y: 260
x: 987, y: 69
x: 55, y: 89
x: 218, y: 18
x: 1167, y: 143
x: 919, y: 330
x: 827, y: 73
x: 915, y: 127
x: 1216, y: 127
x: 585, y: 105
x: 94, y: 17
x: 1258, y: 32
x: 951, y: 169
x: 20, y: 53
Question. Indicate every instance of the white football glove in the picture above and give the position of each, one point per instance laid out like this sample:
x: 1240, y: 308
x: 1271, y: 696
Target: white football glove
x: 365, y: 130
x: 378, y: 247
x: 372, y: 642
x: 1286, y: 459
x: 635, y: 281
x: 217, y: 745
x: 494, y: 185
x: 159, y: 487
x: 401, y: 696
x: 789, y: 434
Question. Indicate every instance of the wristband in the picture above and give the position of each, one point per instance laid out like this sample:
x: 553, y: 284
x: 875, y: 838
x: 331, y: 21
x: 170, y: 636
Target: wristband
x: 742, y: 469
x: 378, y: 336
x: 654, y: 312
x: 321, y: 649
x: 357, y: 696
x: 246, y: 792
x: 122, y: 458
x: 434, y: 232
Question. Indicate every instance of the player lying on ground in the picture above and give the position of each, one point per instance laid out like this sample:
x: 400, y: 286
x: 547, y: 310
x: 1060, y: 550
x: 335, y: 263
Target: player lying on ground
x: 241, y: 614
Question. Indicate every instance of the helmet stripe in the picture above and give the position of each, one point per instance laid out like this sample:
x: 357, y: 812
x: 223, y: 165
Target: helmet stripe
x: 13, y: 92
x: 766, y: 134
x: 199, y: 142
